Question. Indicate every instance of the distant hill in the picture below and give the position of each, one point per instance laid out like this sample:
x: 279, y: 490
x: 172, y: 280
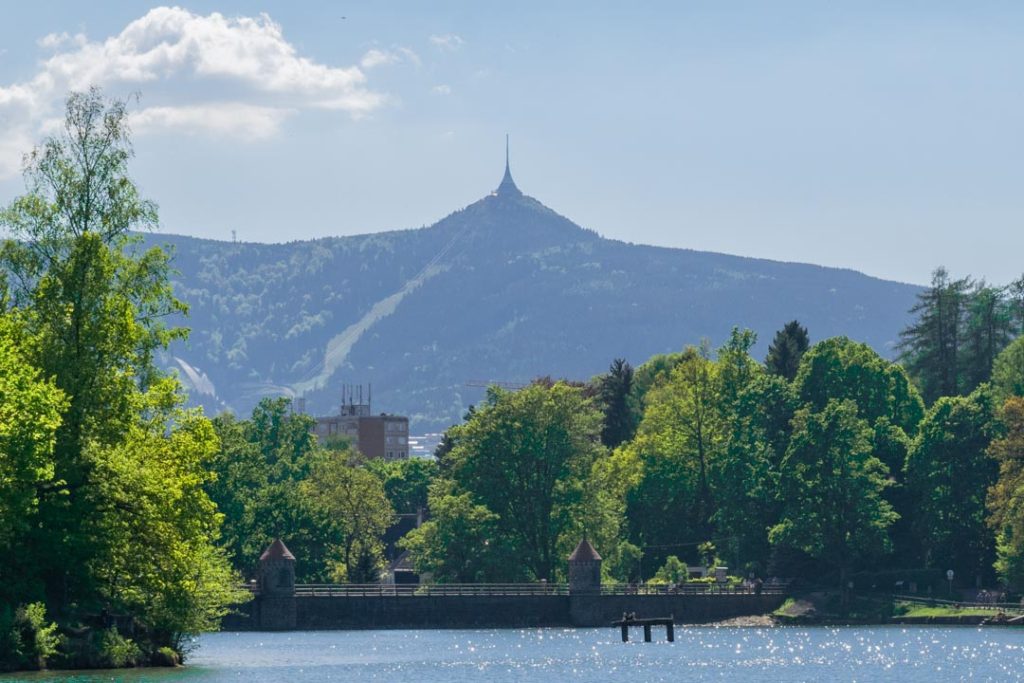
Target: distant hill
x: 504, y: 289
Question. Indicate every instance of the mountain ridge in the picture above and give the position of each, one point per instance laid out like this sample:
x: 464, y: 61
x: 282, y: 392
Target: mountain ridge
x: 504, y: 288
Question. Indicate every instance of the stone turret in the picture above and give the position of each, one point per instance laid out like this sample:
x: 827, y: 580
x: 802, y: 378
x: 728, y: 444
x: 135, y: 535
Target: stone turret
x: 276, y: 606
x: 584, y: 569
x: 277, y: 570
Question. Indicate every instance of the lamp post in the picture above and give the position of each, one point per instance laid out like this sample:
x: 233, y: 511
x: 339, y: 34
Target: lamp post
x: 949, y: 579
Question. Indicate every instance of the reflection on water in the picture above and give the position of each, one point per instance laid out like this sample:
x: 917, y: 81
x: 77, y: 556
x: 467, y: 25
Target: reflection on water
x: 548, y: 655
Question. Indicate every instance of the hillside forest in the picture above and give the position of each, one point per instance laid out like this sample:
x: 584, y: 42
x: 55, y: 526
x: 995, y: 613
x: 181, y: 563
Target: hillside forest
x: 133, y: 519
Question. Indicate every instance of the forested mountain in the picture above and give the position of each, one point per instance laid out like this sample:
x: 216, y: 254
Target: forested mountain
x: 504, y: 289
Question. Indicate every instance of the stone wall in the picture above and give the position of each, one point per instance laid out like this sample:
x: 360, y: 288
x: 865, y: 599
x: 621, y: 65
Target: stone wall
x: 600, y: 610
x: 451, y: 611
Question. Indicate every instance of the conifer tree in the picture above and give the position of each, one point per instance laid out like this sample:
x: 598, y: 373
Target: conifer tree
x: 788, y: 346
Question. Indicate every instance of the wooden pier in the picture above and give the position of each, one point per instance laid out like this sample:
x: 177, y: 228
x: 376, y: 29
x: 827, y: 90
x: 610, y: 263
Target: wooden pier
x: 631, y: 620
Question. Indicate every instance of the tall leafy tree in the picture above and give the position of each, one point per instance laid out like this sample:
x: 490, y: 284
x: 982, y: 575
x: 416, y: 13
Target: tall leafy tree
x: 786, y: 350
x: 354, y: 511
x: 259, y: 468
x: 831, y: 489
x: 525, y: 456
x: 1006, y: 496
x: 948, y: 475
x: 95, y: 307
x: 839, y: 368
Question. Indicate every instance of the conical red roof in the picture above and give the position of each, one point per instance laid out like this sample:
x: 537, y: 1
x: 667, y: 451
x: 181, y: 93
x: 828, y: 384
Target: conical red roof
x: 584, y: 553
x: 277, y: 551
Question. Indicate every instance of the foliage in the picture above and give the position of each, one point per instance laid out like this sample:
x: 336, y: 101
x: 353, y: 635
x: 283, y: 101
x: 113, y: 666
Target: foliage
x: 961, y: 326
x: 355, y: 512
x: 406, y: 482
x: 786, y: 350
x: 258, y: 470
x: 673, y: 572
x: 30, y: 410
x: 525, y: 457
x: 831, y: 489
x: 27, y: 639
x: 948, y: 476
x: 620, y: 414
x: 839, y: 368
x: 116, y: 651
x: 118, y: 517
x: 462, y: 542
x: 1006, y: 496
x: 1008, y: 370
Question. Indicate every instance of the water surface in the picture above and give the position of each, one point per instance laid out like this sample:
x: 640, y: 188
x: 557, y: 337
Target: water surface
x: 738, y: 655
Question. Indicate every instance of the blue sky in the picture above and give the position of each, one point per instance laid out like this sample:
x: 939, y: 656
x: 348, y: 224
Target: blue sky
x: 885, y: 137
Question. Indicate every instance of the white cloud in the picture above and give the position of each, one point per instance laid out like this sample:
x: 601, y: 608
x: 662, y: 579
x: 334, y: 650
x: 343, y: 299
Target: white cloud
x: 375, y: 57
x: 226, y: 75
x: 441, y: 89
x: 448, y: 41
x: 244, y: 121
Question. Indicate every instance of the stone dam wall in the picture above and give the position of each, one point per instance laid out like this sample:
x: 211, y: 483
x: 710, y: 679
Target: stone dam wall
x: 265, y: 613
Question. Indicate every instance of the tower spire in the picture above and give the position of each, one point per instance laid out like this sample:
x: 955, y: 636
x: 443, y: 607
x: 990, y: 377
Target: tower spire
x: 507, y: 186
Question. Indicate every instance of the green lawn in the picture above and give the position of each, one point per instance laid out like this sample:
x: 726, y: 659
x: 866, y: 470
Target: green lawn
x: 912, y: 609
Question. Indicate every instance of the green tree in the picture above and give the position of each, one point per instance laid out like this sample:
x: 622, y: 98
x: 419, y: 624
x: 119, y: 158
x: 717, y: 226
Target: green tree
x: 616, y: 393
x: 258, y: 471
x: 355, y: 511
x: 1006, y: 496
x: 668, y: 495
x: 948, y: 476
x: 839, y: 368
x: 745, y: 475
x: 786, y: 350
x: 406, y: 482
x: 989, y: 328
x: 831, y: 489
x: 93, y: 307
x: 526, y: 456
x: 932, y: 347
x: 674, y: 571
x: 462, y: 542
x: 1008, y: 371
x: 155, y: 525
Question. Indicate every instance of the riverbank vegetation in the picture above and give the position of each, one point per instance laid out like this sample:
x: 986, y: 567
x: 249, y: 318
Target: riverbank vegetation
x: 111, y: 554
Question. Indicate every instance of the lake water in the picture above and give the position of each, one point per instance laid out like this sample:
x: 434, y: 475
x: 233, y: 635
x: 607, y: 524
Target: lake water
x: 738, y: 655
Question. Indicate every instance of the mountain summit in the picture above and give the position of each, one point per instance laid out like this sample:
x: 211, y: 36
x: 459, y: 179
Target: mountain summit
x: 504, y: 289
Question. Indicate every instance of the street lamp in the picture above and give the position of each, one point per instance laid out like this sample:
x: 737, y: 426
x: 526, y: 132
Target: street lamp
x: 949, y: 578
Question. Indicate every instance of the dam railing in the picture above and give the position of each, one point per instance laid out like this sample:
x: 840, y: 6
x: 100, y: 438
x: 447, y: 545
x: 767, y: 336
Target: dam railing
x: 366, y: 590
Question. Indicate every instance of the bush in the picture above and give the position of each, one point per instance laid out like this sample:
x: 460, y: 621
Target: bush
x: 27, y: 641
x: 674, y: 571
x: 165, y: 656
x: 116, y: 651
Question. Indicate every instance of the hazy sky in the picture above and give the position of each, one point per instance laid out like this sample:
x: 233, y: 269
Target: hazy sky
x: 884, y: 137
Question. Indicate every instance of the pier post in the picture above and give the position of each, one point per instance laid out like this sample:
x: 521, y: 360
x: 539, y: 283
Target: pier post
x: 647, y: 633
x: 625, y: 633
x: 670, y: 631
